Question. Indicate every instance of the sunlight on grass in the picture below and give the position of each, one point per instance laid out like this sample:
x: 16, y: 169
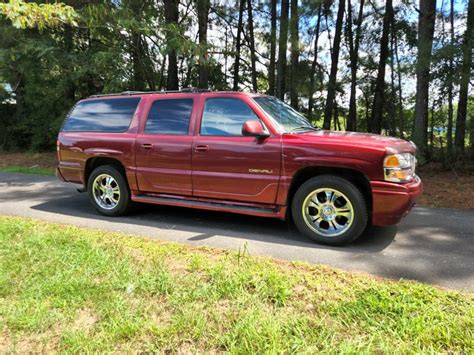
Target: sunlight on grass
x: 27, y: 170
x: 64, y: 288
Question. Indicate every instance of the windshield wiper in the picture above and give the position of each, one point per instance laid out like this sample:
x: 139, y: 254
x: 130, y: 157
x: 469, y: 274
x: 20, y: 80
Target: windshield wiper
x: 301, y: 128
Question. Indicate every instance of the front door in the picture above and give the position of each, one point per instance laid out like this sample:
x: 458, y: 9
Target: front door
x: 163, y: 148
x: 229, y: 166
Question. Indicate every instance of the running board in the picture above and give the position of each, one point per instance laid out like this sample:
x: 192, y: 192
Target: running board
x: 277, y: 212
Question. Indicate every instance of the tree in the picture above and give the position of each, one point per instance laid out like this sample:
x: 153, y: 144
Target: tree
x: 271, y: 65
x: 331, y: 96
x: 253, y: 57
x: 379, y: 93
x: 401, y: 117
x: 137, y: 54
x: 426, y: 24
x: 32, y: 15
x: 314, y: 63
x: 282, y: 46
x: 294, y: 24
x: 238, y: 44
x: 171, y: 21
x: 449, y: 133
x: 354, y: 57
x: 465, y: 78
x: 203, y: 17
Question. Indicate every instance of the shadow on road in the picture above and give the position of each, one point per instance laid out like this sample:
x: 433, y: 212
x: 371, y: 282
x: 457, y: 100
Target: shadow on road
x: 207, y: 224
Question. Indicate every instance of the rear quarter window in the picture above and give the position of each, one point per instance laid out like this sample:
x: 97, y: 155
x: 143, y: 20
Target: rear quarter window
x: 102, y: 115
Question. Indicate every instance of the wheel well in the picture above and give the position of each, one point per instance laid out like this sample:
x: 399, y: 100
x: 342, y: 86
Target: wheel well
x: 93, y: 163
x: 354, y: 176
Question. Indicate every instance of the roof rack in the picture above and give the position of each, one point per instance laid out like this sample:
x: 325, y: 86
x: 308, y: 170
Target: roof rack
x: 131, y: 93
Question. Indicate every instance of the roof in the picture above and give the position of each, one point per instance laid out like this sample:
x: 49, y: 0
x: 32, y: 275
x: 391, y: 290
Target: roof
x: 186, y: 90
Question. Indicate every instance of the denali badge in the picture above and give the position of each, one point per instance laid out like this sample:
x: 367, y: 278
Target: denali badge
x: 261, y: 171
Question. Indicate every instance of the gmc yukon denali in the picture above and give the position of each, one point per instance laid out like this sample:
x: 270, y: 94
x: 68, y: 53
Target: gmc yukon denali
x: 235, y: 152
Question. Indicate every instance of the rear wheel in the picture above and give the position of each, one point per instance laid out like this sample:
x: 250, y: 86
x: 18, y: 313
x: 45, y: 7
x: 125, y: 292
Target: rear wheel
x: 108, y: 191
x: 330, y: 210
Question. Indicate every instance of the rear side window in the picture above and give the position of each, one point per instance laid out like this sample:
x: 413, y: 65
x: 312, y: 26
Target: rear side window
x: 169, y: 117
x: 102, y: 115
x: 225, y: 117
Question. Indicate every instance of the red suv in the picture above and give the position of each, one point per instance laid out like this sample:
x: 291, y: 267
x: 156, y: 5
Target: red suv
x: 235, y: 152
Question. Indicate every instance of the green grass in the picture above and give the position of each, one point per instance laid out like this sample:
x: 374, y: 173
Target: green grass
x: 27, y: 170
x: 68, y: 289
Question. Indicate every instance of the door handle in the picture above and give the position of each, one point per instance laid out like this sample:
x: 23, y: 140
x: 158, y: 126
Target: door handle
x: 201, y: 148
x: 147, y: 146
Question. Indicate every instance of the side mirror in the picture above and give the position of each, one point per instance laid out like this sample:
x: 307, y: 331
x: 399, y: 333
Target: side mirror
x: 253, y: 128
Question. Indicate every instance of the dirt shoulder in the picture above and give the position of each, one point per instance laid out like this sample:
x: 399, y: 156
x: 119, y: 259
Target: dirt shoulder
x: 442, y: 188
x: 40, y: 160
x: 446, y: 188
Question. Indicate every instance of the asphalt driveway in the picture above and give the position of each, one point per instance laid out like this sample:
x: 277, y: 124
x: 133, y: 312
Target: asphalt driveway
x: 430, y: 245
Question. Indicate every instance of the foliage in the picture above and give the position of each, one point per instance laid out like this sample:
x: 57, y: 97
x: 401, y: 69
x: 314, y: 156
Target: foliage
x: 65, y: 289
x: 32, y: 15
x: 52, y: 54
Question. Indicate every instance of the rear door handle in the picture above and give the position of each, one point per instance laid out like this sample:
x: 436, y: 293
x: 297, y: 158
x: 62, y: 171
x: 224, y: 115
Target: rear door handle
x: 201, y: 148
x: 147, y: 146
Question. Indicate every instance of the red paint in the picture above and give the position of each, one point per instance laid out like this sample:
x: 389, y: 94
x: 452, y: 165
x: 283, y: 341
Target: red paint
x: 236, y: 171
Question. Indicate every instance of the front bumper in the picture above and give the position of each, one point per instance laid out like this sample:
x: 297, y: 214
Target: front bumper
x: 392, y: 201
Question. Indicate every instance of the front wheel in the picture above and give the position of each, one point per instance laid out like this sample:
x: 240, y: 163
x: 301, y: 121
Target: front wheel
x: 108, y: 191
x: 330, y: 210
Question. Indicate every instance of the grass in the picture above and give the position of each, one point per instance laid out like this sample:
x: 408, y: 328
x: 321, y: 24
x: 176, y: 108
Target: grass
x: 27, y: 170
x: 28, y: 163
x: 68, y: 289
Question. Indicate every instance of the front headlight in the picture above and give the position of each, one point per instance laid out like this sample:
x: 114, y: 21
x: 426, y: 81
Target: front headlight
x: 399, y: 167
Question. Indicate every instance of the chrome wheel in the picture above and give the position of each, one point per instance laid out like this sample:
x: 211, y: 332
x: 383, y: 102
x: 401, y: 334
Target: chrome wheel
x: 328, y: 212
x: 106, y: 191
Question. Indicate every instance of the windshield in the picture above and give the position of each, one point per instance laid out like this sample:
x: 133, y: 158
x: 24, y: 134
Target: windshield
x: 284, y: 115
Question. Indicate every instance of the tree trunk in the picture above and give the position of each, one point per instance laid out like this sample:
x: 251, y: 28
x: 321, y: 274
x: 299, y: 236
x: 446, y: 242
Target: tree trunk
x: 171, y: 17
x: 271, y: 66
x: 136, y: 51
x: 337, y: 125
x: 238, y: 45
x: 379, y: 92
x: 425, y: 41
x: 449, y: 133
x: 328, y: 112
x: 393, y: 95
x: 282, y: 46
x: 294, y: 26
x: 401, y: 117
x: 136, y: 54
x: 313, y: 66
x: 354, y: 57
x: 203, y: 16
x: 161, y: 83
x: 432, y: 124
x: 70, y: 90
x: 465, y: 78
x: 253, y: 58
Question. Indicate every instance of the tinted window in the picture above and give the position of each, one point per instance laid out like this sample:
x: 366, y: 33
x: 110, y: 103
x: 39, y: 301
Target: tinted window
x: 225, y: 117
x: 169, y: 117
x: 102, y: 115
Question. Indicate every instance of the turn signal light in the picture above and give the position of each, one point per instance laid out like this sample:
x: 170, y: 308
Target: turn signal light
x: 399, y: 167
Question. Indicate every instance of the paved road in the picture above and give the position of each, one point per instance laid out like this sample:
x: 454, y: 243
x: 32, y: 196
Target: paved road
x: 430, y: 245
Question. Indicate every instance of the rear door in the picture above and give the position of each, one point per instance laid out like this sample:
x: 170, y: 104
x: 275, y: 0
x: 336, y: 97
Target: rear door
x: 229, y: 166
x: 164, y: 145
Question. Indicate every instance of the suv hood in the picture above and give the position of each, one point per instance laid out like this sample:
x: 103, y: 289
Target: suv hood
x: 391, y: 145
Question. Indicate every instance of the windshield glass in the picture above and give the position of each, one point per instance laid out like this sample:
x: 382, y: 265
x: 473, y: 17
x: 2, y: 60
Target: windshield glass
x: 286, y: 116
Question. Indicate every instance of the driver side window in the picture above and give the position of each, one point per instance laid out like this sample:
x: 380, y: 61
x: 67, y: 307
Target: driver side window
x: 225, y: 117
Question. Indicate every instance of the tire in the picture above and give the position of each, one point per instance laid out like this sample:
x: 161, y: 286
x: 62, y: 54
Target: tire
x: 117, y: 202
x: 330, y: 210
